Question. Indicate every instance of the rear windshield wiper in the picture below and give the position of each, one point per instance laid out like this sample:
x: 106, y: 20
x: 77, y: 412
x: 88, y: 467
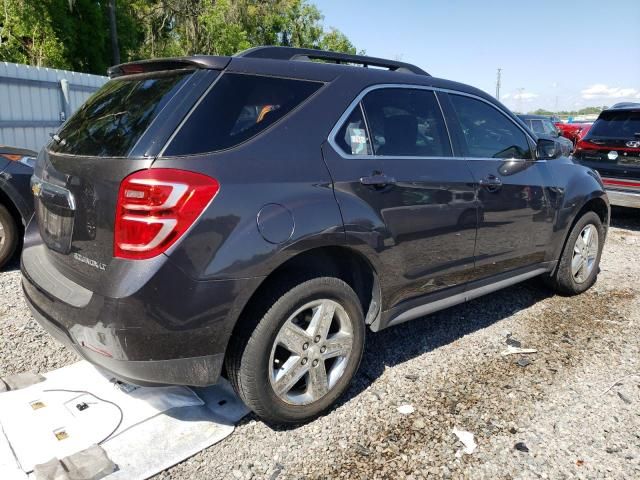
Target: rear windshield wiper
x: 56, y: 138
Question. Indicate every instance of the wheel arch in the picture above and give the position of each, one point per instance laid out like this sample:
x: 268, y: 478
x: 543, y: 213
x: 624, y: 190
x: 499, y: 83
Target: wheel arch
x: 343, y: 262
x: 7, y: 201
x: 595, y: 202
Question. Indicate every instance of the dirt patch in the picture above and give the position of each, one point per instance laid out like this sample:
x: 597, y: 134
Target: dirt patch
x: 486, y: 394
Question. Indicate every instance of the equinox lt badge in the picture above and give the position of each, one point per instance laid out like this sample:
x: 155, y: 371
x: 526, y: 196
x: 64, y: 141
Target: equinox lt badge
x: 90, y: 262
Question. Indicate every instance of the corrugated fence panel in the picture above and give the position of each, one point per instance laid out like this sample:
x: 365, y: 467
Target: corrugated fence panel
x: 32, y: 103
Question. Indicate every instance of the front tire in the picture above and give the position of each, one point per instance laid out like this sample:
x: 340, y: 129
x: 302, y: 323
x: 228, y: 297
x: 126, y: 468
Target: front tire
x: 303, y: 352
x: 579, y: 264
x: 8, y: 236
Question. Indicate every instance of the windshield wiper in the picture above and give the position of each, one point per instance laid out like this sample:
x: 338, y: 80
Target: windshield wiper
x: 56, y: 138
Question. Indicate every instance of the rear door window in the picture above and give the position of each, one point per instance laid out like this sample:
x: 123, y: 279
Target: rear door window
x: 238, y: 107
x: 110, y: 123
x: 406, y: 122
x: 488, y: 132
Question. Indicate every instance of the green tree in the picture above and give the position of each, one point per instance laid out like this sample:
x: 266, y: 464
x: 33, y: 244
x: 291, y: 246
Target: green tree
x: 542, y: 111
x: 65, y: 34
x: 27, y: 35
x: 336, y: 41
x: 224, y: 27
x: 82, y: 34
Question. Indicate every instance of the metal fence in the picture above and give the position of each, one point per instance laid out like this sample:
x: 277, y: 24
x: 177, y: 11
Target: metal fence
x: 35, y: 101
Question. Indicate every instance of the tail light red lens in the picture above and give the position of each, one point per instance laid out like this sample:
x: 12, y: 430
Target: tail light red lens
x: 585, y: 145
x: 156, y: 207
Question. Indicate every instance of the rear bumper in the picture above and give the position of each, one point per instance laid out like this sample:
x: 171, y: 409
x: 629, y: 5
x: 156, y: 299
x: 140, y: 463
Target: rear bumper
x: 624, y: 199
x: 172, y: 331
x: 196, y: 371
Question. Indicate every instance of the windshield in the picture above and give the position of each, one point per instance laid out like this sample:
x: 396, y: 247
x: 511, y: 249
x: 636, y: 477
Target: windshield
x: 550, y: 128
x: 110, y: 123
x: 536, y: 126
x: 617, y: 124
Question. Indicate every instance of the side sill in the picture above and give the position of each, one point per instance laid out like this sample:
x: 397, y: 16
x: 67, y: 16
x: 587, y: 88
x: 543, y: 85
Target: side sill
x: 470, y: 294
x: 624, y: 199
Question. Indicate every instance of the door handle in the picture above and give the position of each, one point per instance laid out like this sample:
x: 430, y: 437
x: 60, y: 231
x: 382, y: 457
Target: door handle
x: 491, y: 183
x: 377, y: 179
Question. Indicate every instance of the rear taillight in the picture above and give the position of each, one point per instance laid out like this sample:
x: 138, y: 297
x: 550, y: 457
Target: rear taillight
x: 24, y: 159
x: 586, y: 145
x: 156, y: 207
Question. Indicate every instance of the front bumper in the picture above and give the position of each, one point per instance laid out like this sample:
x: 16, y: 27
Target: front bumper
x: 624, y: 199
x: 172, y: 331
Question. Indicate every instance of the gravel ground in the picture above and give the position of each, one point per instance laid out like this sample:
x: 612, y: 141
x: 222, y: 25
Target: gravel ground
x: 571, y: 410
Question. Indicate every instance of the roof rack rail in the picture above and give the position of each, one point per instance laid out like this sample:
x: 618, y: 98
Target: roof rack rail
x: 291, y: 53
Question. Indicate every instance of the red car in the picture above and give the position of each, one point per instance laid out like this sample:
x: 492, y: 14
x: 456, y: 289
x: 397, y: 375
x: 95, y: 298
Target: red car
x: 573, y: 131
x: 612, y: 147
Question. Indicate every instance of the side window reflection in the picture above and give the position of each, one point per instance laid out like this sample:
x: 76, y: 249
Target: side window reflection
x: 487, y: 132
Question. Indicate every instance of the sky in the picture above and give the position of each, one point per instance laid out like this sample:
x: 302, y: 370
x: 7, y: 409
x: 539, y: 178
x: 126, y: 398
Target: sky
x: 554, y: 54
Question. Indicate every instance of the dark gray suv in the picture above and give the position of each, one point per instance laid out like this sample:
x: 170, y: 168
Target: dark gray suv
x: 256, y: 214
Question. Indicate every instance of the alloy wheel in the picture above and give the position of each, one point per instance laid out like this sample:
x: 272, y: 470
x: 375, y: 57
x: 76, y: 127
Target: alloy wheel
x: 3, y: 236
x: 585, y: 252
x: 310, y: 352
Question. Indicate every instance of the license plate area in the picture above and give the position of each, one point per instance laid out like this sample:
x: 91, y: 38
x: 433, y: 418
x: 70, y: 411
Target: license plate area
x: 55, y: 210
x: 629, y: 159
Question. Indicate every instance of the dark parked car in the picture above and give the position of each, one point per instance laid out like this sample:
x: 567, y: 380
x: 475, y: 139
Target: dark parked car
x: 16, y: 201
x: 259, y: 213
x: 612, y: 146
x: 544, y: 127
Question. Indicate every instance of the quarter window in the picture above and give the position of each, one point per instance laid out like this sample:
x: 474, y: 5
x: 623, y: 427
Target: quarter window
x: 406, y: 122
x: 487, y: 132
x: 237, y: 108
x: 352, y: 137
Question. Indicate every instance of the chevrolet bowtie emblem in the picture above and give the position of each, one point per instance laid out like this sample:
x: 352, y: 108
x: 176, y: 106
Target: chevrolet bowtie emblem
x: 36, y: 188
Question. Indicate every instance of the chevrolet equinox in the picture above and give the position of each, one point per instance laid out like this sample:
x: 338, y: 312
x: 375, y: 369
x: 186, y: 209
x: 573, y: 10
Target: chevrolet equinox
x: 256, y: 214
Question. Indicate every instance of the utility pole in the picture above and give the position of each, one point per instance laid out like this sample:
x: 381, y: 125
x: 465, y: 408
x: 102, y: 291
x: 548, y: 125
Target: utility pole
x: 113, y: 32
x: 498, y: 84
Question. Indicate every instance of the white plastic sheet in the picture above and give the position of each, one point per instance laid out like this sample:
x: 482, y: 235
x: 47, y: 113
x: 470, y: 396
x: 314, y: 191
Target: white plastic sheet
x: 160, y: 426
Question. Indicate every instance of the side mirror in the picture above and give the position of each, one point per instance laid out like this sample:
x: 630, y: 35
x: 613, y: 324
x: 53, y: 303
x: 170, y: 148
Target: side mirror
x: 547, y: 149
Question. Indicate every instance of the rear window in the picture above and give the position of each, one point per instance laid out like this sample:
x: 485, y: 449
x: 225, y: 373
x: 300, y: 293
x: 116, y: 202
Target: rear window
x: 237, y: 108
x: 110, y: 123
x: 617, y: 124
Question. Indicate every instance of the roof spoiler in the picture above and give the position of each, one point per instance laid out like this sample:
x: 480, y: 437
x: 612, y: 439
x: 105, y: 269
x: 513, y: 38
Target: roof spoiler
x: 163, y: 64
x: 625, y: 106
x: 308, y: 54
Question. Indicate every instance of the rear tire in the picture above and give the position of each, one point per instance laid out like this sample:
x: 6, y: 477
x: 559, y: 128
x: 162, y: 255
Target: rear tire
x: 8, y: 236
x: 578, y: 266
x: 303, y: 352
